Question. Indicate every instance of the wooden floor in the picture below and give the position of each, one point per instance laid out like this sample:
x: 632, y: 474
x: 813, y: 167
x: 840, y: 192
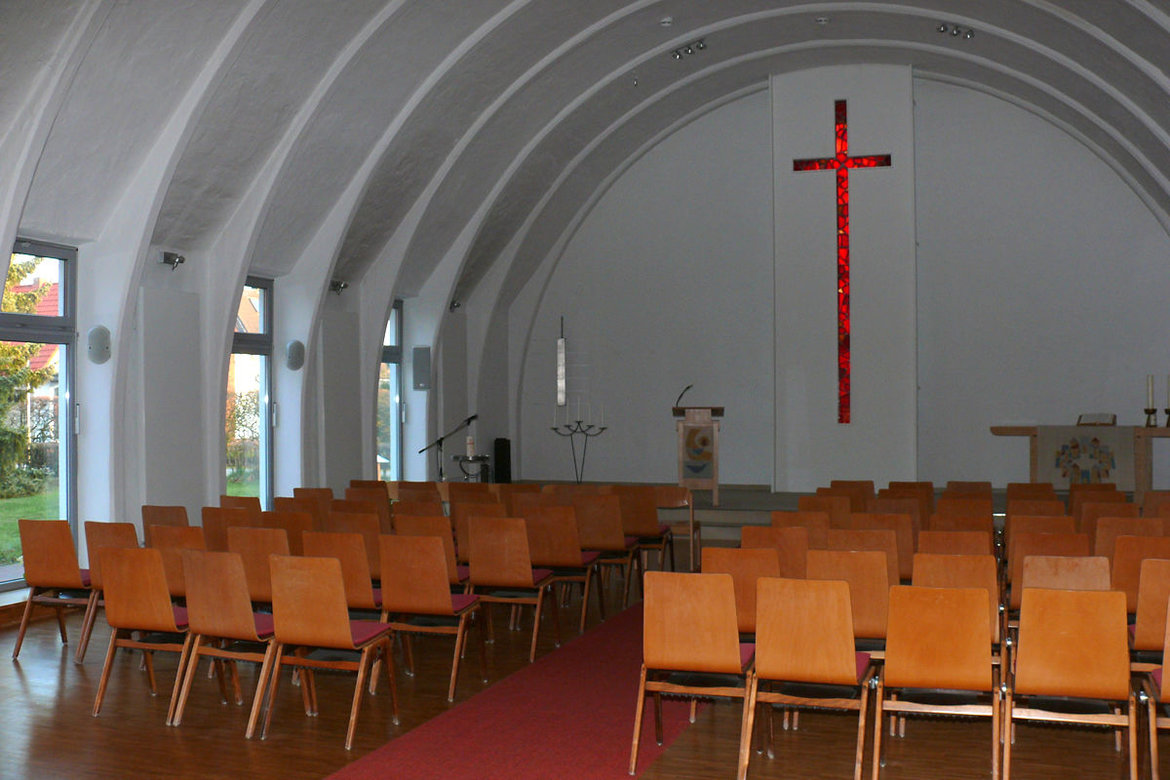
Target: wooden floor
x: 47, y: 731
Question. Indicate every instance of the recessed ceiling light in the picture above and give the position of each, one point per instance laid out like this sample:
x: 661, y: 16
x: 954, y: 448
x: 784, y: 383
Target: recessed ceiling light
x: 821, y: 20
x: 666, y: 21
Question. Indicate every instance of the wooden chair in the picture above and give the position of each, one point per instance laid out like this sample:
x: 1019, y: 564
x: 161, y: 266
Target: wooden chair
x: 469, y: 491
x: 1046, y: 524
x: 968, y: 488
x: 368, y: 526
x: 1036, y: 506
x: 309, y: 611
x: 221, y: 624
x: 932, y: 570
x: 250, y: 504
x: 1065, y: 572
x: 805, y: 656
x: 254, y: 545
x: 1077, y: 502
x: 294, y: 524
x: 964, y: 523
x: 964, y: 505
x: 460, y: 513
x: 415, y: 507
x: 858, y: 502
x: 171, y: 541
x: 903, y: 505
x: 321, y: 496
x: 599, y: 527
x: 789, y: 542
x: 1128, y: 554
x: 51, y: 572
x: 97, y: 536
x: 868, y: 576
x: 502, y: 571
x: 680, y: 497
x: 417, y: 599
x: 377, y: 498
x: 746, y: 566
x: 1109, y: 528
x: 882, y: 541
x: 350, y: 551
x: 689, y: 625
x: 1027, y: 543
x: 903, y: 527
x: 1149, y: 626
x: 956, y: 542
x: 921, y: 491
x: 553, y: 544
x: 1156, y: 503
x: 526, y: 502
x: 816, y: 521
x: 1072, y: 644
x: 938, y: 640
x: 507, y: 494
x: 308, y: 505
x: 1092, y: 511
x: 138, y: 600
x: 439, y: 527
x: 416, y: 491
x: 154, y: 514
x: 861, y: 490
x: 837, y: 508
x: 1031, y: 491
x: 1157, y: 693
x: 372, y: 484
x: 215, y: 521
x: 640, y: 518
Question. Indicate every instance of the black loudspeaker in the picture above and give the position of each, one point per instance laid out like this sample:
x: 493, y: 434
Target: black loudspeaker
x: 422, y: 368
x: 502, y: 457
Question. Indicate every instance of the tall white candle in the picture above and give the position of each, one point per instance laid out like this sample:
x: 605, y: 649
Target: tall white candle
x: 1149, y: 391
x: 578, y: 408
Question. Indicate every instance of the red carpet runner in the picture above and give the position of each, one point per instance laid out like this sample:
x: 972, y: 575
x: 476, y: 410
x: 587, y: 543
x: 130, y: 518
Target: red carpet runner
x: 570, y: 714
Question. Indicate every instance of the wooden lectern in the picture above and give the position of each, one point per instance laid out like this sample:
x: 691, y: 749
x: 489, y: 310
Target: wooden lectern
x: 698, y: 448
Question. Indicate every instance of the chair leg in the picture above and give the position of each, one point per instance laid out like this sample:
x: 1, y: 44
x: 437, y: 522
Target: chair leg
x: 658, y: 718
x: 258, y: 697
x: 273, y: 682
x: 1132, y: 727
x: 460, y: 639
x: 188, y: 676
x: 482, y: 646
x: 148, y: 662
x: 388, y: 653
x: 408, y: 654
x: 106, y: 667
x: 362, y: 670
x: 184, y: 658
x: 862, y: 707
x: 1152, y: 725
x: 746, y: 725
x: 28, y: 608
x: 61, y: 624
x: 1007, y: 736
x: 91, y: 608
x: 536, y: 622
x: 878, y: 697
x: 600, y: 592
x: 556, y: 621
x: 638, y: 720
x: 585, y: 600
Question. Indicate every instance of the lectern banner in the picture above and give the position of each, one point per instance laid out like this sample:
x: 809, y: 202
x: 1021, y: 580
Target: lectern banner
x: 1070, y: 455
x: 699, y: 452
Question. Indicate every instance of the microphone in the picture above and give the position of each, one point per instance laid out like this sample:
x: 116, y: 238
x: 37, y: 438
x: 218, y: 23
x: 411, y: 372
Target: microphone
x: 471, y: 419
x: 680, y: 395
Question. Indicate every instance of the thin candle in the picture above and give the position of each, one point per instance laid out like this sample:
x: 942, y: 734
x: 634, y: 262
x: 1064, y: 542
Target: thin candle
x: 1149, y: 391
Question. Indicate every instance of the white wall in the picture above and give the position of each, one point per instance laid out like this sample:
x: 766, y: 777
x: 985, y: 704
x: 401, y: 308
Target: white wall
x: 1042, y: 282
x: 341, y: 415
x: 667, y: 283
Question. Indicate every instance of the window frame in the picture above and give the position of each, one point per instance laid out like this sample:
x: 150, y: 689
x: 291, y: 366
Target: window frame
x: 261, y: 344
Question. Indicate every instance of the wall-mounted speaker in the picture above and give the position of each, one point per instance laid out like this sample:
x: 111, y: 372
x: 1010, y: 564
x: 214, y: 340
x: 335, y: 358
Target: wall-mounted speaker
x: 422, y: 368
x: 294, y: 355
x: 99, y: 344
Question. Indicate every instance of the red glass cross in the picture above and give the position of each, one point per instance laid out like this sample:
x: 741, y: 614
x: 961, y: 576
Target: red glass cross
x: 841, y: 162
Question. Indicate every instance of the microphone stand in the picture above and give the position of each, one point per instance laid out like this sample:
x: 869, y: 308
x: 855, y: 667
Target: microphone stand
x: 437, y: 444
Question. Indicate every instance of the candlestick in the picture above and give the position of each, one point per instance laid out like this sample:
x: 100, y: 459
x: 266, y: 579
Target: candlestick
x: 1151, y: 417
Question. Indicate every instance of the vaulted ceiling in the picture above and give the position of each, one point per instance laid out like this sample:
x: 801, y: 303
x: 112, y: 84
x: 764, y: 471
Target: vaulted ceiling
x: 486, y: 127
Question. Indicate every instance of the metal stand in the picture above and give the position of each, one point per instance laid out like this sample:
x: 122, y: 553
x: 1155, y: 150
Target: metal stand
x: 1152, y: 418
x: 572, y: 431
x: 437, y: 444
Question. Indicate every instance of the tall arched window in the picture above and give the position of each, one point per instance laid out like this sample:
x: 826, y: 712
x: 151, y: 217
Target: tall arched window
x: 248, y: 415
x: 390, y: 406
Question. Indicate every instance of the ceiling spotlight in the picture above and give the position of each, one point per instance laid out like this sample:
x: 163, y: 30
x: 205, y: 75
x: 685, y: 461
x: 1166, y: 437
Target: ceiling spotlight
x: 172, y: 259
x: 689, y: 50
x: 821, y: 20
x: 955, y: 31
x: 455, y: 305
x: 942, y: 28
x: 666, y: 21
x: 969, y: 34
x: 338, y: 286
x: 700, y: 45
x: 676, y: 54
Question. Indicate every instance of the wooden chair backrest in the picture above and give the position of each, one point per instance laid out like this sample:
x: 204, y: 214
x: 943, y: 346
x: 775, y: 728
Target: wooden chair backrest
x: 1045, y: 524
x: 884, y: 541
x: 470, y: 491
x: 689, y: 623
x: 968, y: 506
x: 525, y: 502
x: 1156, y: 503
x: 1065, y: 572
x: 171, y: 540
x: 250, y: 504
x: 99, y: 535
x: 938, y: 638
x: 218, y: 597
x: 154, y: 514
x: 460, y: 513
x: 837, y: 507
x: 1072, y: 643
x: 789, y: 542
x: 349, y: 548
x: 1036, y: 506
x: 956, y: 542
x: 372, y: 484
x: 410, y: 490
x: 50, y: 559
x: 215, y: 521
x: 416, y: 507
x: 933, y: 570
x: 868, y: 578
x: 1077, y: 501
x: 858, y: 502
x: 673, y: 496
x: 321, y: 496
x: 1031, y: 491
x: 1026, y: 543
x: 902, y: 505
x: 552, y: 537
x: 378, y: 499
x: 1128, y: 554
x: 903, y: 527
x: 599, y: 522
x: 746, y: 566
x: 639, y: 510
x: 967, y: 488
x: 981, y: 524
x: 804, y: 631
x: 294, y: 524
x: 1149, y: 629
x: 309, y: 602
x: 816, y: 521
x: 254, y: 545
x: 365, y: 524
x: 507, y: 494
x: 923, y: 492
x: 1109, y: 528
x: 135, y: 589
x: 498, y: 552
x: 416, y: 579
x: 862, y: 490
x: 1092, y: 511
x: 432, y: 525
x: 310, y: 506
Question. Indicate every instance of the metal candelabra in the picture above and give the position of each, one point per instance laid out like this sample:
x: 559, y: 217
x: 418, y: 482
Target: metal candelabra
x: 572, y: 431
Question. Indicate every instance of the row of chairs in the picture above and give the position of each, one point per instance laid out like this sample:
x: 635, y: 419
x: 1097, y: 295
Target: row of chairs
x: 939, y: 657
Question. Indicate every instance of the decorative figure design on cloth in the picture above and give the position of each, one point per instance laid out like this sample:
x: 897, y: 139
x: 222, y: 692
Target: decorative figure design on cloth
x: 841, y: 162
x: 1085, y: 459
